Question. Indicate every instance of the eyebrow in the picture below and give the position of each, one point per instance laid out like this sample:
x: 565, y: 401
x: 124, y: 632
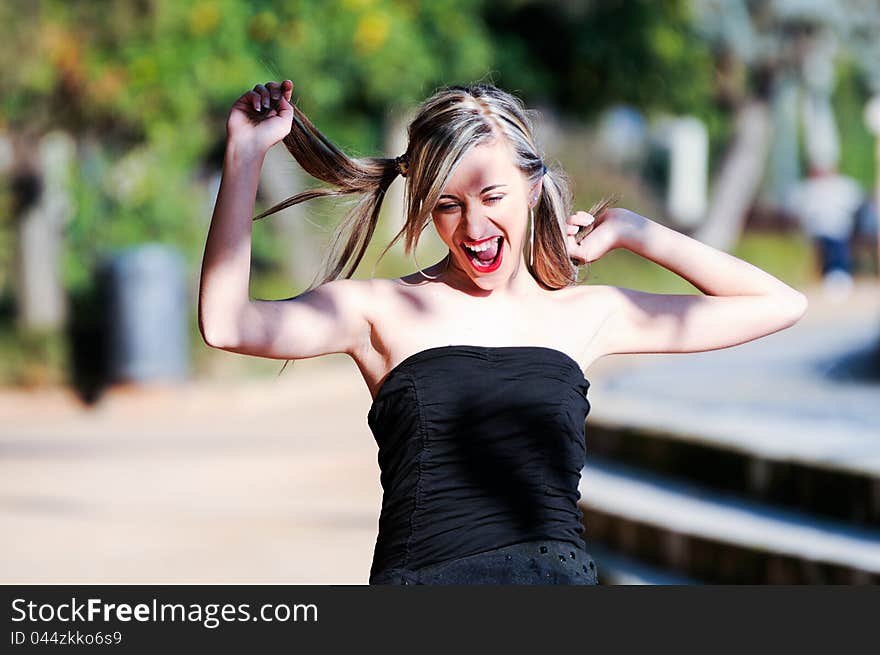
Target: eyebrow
x: 485, y: 189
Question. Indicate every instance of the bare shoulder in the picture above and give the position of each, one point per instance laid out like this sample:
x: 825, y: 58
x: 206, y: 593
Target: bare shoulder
x: 378, y: 292
x: 356, y: 292
x: 374, y: 299
x: 590, y: 306
x: 345, y: 296
x: 385, y: 293
x: 360, y: 297
x: 382, y: 298
x: 595, y: 298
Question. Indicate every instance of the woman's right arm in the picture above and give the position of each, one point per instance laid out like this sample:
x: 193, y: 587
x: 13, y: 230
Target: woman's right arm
x: 327, y: 319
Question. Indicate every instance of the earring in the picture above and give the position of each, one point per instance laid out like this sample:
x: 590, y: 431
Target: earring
x: 430, y: 277
x: 532, y: 237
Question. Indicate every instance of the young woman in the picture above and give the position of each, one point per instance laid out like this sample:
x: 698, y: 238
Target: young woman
x: 476, y: 364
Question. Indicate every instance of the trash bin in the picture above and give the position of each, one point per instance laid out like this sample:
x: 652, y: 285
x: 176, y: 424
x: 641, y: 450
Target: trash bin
x: 146, y: 315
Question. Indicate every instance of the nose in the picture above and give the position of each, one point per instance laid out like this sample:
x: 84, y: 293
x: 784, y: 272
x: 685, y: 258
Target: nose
x: 474, y: 219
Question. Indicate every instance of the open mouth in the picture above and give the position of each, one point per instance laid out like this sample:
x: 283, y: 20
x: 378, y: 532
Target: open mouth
x: 486, y: 256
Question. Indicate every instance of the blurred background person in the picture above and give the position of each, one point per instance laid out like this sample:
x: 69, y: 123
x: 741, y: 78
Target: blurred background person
x: 826, y: 203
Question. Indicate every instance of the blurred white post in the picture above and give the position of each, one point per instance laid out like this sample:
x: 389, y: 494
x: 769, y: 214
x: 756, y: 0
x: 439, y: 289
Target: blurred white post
x: 40, y: 290
x: 783, y: 165
x: 623, y: 137
x: 7, y: 160
x: 872, y: 119
x: 821, y: 140
x: 820, y: 131
x: 688, y: 165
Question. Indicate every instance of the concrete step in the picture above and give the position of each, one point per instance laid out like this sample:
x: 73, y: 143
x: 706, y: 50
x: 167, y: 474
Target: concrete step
x: 705, y: 455
x: 789, y: 419
x: 695, y: 532
x: 617, y: 569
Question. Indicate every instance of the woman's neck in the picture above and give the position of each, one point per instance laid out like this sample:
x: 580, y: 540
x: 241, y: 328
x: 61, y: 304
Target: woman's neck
x: 518, y: 284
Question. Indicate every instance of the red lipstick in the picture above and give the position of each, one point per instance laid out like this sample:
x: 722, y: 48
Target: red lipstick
x: 479, y: 266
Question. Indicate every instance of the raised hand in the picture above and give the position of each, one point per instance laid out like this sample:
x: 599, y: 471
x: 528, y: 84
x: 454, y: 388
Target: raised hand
x: 262, y: 117
x: 589, y: 237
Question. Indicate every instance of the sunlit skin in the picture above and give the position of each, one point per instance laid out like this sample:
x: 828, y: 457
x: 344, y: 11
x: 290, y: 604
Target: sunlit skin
x: 486, y: 195
x: 739, y: 302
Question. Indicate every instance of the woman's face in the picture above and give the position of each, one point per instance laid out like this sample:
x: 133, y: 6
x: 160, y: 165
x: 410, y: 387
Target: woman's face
x: 485, y: 203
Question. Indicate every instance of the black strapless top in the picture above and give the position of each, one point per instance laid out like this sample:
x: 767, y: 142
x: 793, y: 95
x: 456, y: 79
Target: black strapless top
x: 479, y: 447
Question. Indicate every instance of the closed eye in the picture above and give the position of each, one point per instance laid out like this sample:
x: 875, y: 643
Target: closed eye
x: 492, y: 200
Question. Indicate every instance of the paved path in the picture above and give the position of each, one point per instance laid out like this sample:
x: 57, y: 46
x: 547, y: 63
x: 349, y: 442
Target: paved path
x: 263, y: 481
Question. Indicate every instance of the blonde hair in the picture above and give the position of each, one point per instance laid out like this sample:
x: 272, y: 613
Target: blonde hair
x: 446, y: 126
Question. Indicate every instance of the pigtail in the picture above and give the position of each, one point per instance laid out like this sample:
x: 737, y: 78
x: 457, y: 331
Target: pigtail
x: 368, y: 176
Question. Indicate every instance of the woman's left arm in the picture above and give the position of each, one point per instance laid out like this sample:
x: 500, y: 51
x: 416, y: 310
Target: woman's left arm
x: 741, y: 301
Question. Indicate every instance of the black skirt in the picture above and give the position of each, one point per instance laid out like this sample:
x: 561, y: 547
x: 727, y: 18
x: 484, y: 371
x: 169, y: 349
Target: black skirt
x: 527, y: 563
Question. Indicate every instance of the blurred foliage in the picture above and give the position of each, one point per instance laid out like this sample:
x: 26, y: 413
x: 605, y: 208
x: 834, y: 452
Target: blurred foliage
x: 145, y: 86
x: 32, y: 359
x: 788, y: 256
x: 582, y: 57
x: 856, y: 143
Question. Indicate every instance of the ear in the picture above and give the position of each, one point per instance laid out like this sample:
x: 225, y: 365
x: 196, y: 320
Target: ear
x: 535, y: 192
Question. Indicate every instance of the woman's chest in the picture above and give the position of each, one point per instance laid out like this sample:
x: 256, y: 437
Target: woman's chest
x: 407, y: 322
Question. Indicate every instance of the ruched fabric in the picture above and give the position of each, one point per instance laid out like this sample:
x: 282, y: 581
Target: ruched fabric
x: 480, y: 447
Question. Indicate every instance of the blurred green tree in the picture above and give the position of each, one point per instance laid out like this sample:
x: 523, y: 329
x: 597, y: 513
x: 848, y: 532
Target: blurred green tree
x: 584, y: 56
x: 144, y: 88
